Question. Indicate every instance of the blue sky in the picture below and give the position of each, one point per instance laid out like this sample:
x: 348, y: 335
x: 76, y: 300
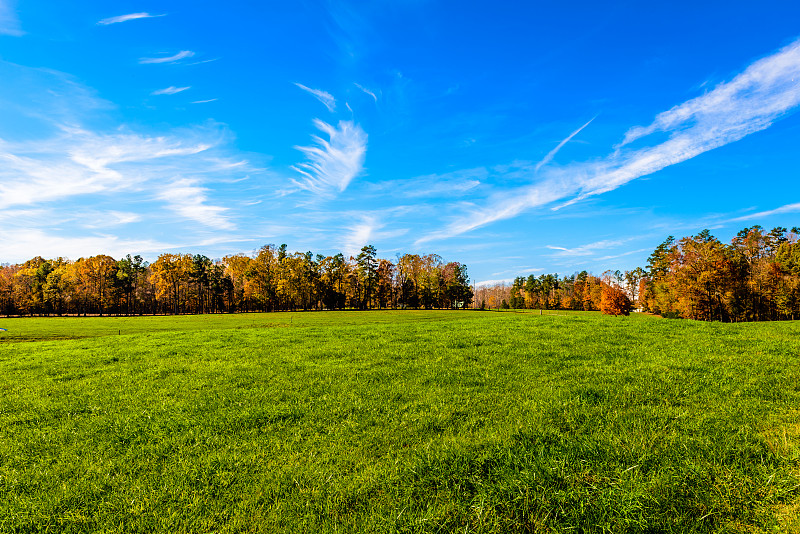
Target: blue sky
x: 515, y: 137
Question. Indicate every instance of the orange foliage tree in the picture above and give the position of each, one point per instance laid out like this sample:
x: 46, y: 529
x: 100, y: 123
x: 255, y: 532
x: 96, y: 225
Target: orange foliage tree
x: 614, y: 301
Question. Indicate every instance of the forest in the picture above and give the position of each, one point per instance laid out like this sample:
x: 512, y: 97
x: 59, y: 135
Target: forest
x: 270, y: 279
x: 756, y: 277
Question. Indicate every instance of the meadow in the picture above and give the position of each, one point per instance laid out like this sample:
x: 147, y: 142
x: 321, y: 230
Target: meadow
x: 399, y: 421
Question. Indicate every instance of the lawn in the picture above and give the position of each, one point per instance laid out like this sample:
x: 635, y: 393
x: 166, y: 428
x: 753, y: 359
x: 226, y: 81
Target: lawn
x: 398, y: 421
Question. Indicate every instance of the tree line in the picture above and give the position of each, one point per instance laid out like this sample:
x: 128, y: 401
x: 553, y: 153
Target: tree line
x: 756, y: 277
x: 270, y: 279
x: 581, y: 291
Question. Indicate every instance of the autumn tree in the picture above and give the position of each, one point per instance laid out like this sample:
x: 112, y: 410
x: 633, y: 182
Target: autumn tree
x: 613, y: 300
x: 171, y: 275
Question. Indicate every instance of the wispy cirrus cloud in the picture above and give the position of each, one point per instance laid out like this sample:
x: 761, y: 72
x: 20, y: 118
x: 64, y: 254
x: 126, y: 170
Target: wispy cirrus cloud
x: 24, y: 243
x: 370, y: 228
x: 80, y: 162
x: 9, y: 22
x: 126, y: 18
x: 183, y: 54
x: 106, y: 219
x: 764, y: 92
x: 360, y: 234
x: 788, y: 208
x: 63, y: 176
x: 332, y: 164
x: 323, y: 96
x: 447, y: 185
x: 171, y: 90
x: 498, y: 282
x: 69, y: 186
x: 550, y: 155
x: 588, y: 249
x: 189, y: 199
x: 367, y: 91
x: 519, y: 271
x: 624, y: 254
x: 205, y: 101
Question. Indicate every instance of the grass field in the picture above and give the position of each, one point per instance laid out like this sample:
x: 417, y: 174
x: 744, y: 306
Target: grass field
x: 398, y: 422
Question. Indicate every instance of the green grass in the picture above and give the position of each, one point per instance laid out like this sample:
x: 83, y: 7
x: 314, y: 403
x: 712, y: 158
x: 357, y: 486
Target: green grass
x: 398, y: 422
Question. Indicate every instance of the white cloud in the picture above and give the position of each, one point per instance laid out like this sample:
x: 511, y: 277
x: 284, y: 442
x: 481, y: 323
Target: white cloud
x: 624, y: 254
x: 66, y: 187
x: 332, y: 164
x: 106, y: 219
x: 519, y: 271
x: 171, y: 59
x: 9, y: 23
x: 171, y: 90
x: 367, y: 91
x: 504, y: 282
x: 360, y: 234
x: 188, y: 199
x: 788, y: 208
x: 25, y: 243
x: 763, y: 93
x: 448, y: 185
x: 204, y: 101
x: 587, y: 250
x: 500, y: 206
x: 369, y: 228
x: 326, y: 98
x: 750, y: 102
x: 80, y: 162
x: 125, y: 18
x: 550, y: 155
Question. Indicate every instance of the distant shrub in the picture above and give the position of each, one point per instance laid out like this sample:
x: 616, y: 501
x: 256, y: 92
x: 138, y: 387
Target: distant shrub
x: 504, y: 305
x: 671, y: 315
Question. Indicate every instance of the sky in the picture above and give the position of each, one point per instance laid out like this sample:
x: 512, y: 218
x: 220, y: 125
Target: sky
x: 516, y: 137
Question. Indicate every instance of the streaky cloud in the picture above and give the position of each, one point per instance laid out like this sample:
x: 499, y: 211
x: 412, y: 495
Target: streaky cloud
x: 788, y: 208
x: 323, y: 96
x: 189, y: 200
x: 752, y: 101
x: 24, y: 242
x: 183, y: 54
x: 550, y: 155
x: 205, y: 101
x: 370, y: 228
x: 448, y: 185
x: 126, y: 18
x: 367, y: 91
x: 106, y: 219
x: 588, y: 249
x: 81, y: 162
x: 502, y: 281
x: 360, y: 234
x: 9, y: 22
x: 332, y: 164
x: 171, y: 90
x: 764, y: 92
